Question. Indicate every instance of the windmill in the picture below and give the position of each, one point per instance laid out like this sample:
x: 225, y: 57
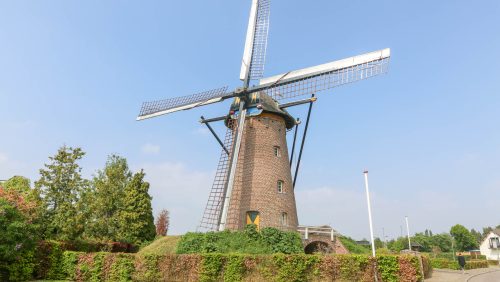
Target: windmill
x: 253, y: 181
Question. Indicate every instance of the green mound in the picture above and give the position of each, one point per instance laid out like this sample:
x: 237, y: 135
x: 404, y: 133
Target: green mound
x: 161, y: 246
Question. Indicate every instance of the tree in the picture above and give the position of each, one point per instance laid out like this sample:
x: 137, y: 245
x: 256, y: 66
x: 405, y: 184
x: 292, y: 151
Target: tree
x: 463, y: 238
x: 443, y: 241
x: 424, y: 240
x: 378, y: 243
x: 106, y: 199
x: 162, y: 223
x: 136, y: 217
x: 60, y: 185
x: 477, y: 235
x: 486, y: 231
x: 21, y: 186
x: 18, y: 233
x: 397, y: 245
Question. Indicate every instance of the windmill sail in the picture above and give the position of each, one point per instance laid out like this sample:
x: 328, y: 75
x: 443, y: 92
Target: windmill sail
x: 213, y: 210
x: 314, y: 79
x: 254, y: 55
x: 163, y: 107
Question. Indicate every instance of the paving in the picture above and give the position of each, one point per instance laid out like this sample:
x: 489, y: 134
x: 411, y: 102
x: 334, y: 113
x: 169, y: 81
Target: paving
x: 473, y: 275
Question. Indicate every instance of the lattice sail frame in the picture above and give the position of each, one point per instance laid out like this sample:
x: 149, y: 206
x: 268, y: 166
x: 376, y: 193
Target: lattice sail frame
x: 260, y: 40
x: 213, y: 210
x: 316, y: 83
x: 161, y: 107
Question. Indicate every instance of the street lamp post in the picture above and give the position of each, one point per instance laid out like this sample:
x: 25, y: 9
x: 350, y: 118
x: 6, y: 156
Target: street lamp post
x: 369, y: 212
x: 408, y: 232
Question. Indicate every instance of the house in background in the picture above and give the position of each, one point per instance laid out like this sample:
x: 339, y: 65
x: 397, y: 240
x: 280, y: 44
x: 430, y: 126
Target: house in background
x: 490, y: 247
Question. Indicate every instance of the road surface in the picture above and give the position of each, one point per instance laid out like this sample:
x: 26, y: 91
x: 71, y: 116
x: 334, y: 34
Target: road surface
x: 486, y: 277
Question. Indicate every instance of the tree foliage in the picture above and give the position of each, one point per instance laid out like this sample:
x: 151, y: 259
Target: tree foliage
x: 61, y: 185
x: 106, y: 199
x: 136, y: 216
x: 464, y: 240
x: 162, y: 223
x: 18, y: 234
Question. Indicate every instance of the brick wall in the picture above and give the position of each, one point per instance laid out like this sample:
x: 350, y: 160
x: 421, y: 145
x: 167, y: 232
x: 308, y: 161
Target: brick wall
x: 258, y: 172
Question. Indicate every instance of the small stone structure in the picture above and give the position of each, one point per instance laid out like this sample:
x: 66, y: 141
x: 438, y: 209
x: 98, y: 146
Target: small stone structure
x: 321, y: 239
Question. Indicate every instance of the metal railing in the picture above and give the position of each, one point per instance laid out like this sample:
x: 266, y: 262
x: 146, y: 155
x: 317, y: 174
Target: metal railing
x: 306, y: 230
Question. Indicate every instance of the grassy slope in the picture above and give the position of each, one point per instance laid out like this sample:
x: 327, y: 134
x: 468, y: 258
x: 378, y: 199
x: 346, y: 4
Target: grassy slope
x: 161, y: 246
x: 353, y: 248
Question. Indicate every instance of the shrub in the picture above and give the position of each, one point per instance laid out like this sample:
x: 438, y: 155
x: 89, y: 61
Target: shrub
x: 492, y: 262
x: 250, y: 241
x: 388, y: 267
x: 451, y: 264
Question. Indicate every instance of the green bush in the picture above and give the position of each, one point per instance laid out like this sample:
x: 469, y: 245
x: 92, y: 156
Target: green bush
x: 388, y: 267
x: 492, y: 262
x: 22, y: 268
x: 453, y: 264
x: 250, y: 241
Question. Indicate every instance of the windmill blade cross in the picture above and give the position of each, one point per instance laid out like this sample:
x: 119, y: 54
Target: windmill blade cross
x: 314, y: 79
x: 254, y: 55
x: 166, y: 106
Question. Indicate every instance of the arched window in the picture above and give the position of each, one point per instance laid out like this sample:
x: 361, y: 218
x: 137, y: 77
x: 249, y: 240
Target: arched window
x: 284, y: 219
x: 281, y: 188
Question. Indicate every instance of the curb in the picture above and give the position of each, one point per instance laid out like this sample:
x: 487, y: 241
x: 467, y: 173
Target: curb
x: 479, y: 274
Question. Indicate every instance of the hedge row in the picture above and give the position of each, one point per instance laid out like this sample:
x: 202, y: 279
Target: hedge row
x: 492, y: 262
x: 79, y: 266
x: 453, y: 264
x: 451, y: 256
x: 46, y: 261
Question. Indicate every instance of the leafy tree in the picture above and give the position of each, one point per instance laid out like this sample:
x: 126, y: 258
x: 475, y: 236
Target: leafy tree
x: 442, y: 241
x: 486, y: 231
x: 397, y: 245
x: 477, y: 235
x: 463, y: 238
x: 136, y: 217
x: 60, y: 185
x: 21, y: 186
x: 18, y: 233
x: 378, y: 243
x: 423, y: 239
x: 162, y: 223
x: 106, y: 199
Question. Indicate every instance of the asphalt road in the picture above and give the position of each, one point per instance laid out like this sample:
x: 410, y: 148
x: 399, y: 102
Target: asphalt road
x: 486, y: 277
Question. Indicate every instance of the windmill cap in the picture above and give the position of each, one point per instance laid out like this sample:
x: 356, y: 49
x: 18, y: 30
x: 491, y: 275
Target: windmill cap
x: 262, y: 103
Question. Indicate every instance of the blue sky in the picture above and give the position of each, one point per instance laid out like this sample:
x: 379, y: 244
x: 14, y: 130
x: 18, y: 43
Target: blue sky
x: 76, y: 73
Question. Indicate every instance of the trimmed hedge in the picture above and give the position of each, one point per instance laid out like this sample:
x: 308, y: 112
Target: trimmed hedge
x: 78, y: 266
x: 451, y: 264
x: 492, y: 262
x: 450, y: 256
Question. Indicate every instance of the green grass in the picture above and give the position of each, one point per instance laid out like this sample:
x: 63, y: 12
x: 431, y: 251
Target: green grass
x: 352, y: 247
x: 161, y: 246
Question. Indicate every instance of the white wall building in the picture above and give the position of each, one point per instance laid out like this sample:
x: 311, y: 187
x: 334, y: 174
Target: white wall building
x: 490, y: 247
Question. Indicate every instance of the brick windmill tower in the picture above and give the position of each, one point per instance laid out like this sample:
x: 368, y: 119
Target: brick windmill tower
x: 253, y: 182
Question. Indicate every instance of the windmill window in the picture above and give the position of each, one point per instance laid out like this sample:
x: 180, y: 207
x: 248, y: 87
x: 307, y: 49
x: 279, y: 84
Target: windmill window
x: 277, y: 151
x: 281, y: 188
x: 284, y: 219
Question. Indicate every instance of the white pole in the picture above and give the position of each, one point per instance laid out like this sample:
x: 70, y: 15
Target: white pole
x: 408, y: 232
x: 369, y: 212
